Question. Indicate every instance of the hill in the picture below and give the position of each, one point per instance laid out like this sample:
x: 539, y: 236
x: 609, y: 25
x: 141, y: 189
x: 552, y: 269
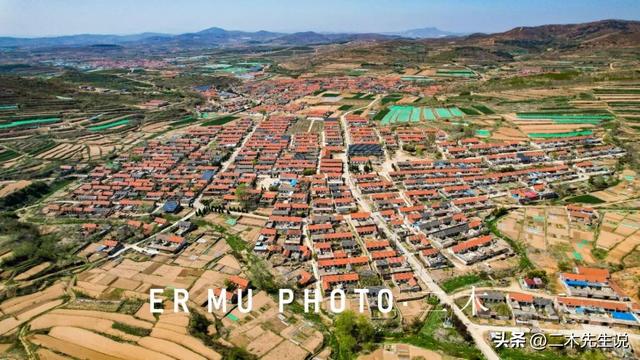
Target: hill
x: 605, y: 33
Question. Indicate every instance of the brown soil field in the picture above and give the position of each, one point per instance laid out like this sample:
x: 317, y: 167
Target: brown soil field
x: 38, y: 309
x: 71, y: 349
x: 33, y: 271
x: 245, y: 220
x: 53, y: 150
x: 5, y: 347
x: 13, y: 186
x: 123, y: 318
x: 144, y: 313
x: 608, y: 240
x: 549, y: 128
x: 261, y: 341
x: 629, y: 280
x: 286, y: 350
x: 89, y: 289
x: 171, y: 327
x: 176, y: 319
x: 45, y: 354
x: 623, y: 248
x: 169, y: 348
x: 103, y: 344
x: 126, y: 284
x: 10, y: 323
x: 309, y: 338
x: 95, y: 151
x: 186, y: 341
x: 104, y: 326
x: 412, y: 309
x: 230, y: 261
x: 389, y: 353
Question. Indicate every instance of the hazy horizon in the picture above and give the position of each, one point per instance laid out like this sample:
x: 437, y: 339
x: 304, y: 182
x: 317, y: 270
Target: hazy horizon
x: 39, y: 18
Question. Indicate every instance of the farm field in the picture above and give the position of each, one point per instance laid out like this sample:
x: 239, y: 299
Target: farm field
x: 410, y: 114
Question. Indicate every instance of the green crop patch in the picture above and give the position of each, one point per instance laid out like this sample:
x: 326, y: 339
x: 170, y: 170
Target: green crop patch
x: 220, y: 121
x: 29, y: 122
x: 7, y: 155
x: 469, y: 111
x: 109, y: 125
x: 585, y: 199
x: 391, y: 98
x: 415, y: 114
x: 560, y: 134
x: 484, y: 109
x: 381, y: 114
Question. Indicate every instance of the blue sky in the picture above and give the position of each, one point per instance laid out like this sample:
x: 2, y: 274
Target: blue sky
x: 63, y: 17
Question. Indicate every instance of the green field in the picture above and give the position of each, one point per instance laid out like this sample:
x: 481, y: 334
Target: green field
x: 456, y: 112
x: 390, y: 98
x: 483, y: 133
x: 416, y: 78
x: 566, y: 118
x: 39, y: 146
x: 345, y: 107
x: 455, y: 73
x: 453, y: 284
x: 470, y: 111
x: 406, y: 113
x: 185, y: 120
x: 432, y: 335
x: 483, y: 109
x: 109, y: 125
x: 28, y: 122
x: 381, y: 114
x: 220, y: 121
x: 8, y: 154
x: 585, y: 199
x: 616, y: 91
x: 428, y: 114
x: 559, y: 135
x: 443, y: 113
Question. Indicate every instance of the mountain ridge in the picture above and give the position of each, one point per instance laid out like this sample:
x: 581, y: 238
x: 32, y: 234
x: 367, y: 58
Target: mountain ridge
x: 610, y: 32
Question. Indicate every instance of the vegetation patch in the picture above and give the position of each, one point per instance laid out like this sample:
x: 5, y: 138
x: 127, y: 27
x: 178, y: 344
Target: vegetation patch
x: 8, y: 155
x: 453, y: 340
x: 220, y: 121
x: 483, y: 109
x: 585, y: 199
x: 354, y: 333
x: 132, y: 330
x: 381, y: 114
x: 30, y: 194
x: 453, y: 284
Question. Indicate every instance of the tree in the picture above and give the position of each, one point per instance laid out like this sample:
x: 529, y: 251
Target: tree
x: 353, y: 333
x: 243, y: 195
x: 409, y: 147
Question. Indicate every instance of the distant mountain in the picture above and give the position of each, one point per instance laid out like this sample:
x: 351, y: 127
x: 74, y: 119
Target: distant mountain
x: 77, y: 40
x: 214, y: 36
x: 220, y: 36
x: 311, y: 38
x: 605, y: 33
x: 425, y: 33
